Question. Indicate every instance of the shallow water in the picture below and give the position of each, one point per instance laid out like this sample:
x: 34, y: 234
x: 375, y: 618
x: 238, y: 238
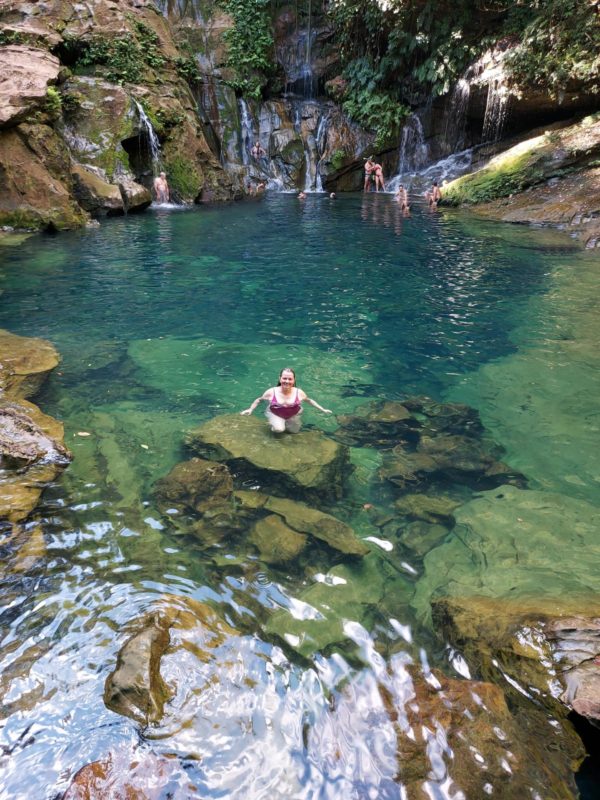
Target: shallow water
x: 168, y: 319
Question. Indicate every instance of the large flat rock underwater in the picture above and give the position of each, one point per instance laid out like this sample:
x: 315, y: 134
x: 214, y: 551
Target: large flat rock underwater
x: 515, y: 587
x: 308, y: 464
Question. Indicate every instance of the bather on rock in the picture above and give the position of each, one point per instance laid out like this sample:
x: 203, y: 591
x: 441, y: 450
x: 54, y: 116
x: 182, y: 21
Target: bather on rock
x: 285, y: 404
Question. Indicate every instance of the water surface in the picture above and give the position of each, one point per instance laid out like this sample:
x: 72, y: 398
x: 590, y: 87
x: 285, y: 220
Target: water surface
x: 168, y: 319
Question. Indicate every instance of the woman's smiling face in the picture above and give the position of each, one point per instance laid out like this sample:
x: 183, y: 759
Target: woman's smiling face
x: 287, y: 379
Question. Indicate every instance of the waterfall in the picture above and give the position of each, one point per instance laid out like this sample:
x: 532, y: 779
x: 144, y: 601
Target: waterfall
x: 151, y: 137
x: 413, y: 152
x: 496, y: 111
x: 321, y: 142
x: 456, y: 115
x: 246, y: 131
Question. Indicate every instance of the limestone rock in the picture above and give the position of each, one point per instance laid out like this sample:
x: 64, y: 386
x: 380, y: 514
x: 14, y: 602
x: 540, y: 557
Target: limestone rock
x: 135, y: 196
x: 308, y: 463
x: 421, y: 537
x: 25, y: 74
x: 275, y: 541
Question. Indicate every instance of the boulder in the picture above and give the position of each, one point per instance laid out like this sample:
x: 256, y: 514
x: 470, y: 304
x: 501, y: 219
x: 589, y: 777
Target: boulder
x: 32, y: 452
x: 94, y: 194
x: 25, y: 74
x: 133, y: 773
x: 135, y: 196
x: 275, y: 541
x: 308, y: 463
x: 333, y: 532
x: 25, y: 363
x: 136, y: 688
x: 194, y: 483
x: 36, y: 192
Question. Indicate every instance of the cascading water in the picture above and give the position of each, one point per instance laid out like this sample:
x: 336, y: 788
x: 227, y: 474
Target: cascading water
x: 456, y: 115
x: 246, y: 131
x: 496, y: 111
x: 413, y: 152
x: 151, y: 137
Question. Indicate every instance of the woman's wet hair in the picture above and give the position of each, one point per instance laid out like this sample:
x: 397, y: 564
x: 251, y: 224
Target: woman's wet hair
x: 286, y: 369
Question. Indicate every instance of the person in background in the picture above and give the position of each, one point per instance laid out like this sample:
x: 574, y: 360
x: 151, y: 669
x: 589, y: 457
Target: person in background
x: 401, y: 197
x: 301, y: 196
x: 332, y: 196
x: 379, y: 178
x: 258, y: 151
x: 369, y: 171
x: 161, y: 188
x: 434, y: 195
x: 285, y: 404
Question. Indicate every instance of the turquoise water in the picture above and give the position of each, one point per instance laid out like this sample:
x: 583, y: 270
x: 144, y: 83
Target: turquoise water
x: 168, y: 319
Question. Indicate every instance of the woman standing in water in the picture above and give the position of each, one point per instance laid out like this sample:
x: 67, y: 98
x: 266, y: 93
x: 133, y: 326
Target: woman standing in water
x: 285, y: 404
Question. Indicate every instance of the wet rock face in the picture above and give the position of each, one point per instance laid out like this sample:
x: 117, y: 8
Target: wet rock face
x: 309, y: 463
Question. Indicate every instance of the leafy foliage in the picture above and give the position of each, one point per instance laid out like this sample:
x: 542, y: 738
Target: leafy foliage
x: 249, y: 45
x: 559, y: 44
x: 410, y: 50
x: 123, y: 57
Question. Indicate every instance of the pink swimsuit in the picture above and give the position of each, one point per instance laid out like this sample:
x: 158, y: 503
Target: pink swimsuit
x: 284, y: 410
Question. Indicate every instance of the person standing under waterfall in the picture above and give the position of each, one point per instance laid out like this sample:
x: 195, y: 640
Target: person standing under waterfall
x: 285, y: 404
x: 161, y: 188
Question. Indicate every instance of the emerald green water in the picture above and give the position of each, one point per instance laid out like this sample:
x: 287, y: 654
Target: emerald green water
x: 168, y: 319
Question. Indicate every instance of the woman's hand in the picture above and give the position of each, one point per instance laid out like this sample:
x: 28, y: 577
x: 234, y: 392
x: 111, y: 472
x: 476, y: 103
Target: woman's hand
x: 327, y: 411
x: 246, y: 412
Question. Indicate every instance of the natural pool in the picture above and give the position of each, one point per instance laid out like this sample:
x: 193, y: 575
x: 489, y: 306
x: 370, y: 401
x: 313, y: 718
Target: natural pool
x: 169, y: 319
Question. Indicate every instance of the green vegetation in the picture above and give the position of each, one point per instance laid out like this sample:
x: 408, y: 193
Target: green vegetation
x: 183, y: 177
x: 559, y: 43
x: 53, y: 104
x: 249, y: 45
x: 337, y: 159
x: 399, y: 53
x: 123, y: 58
x: 505, y: 175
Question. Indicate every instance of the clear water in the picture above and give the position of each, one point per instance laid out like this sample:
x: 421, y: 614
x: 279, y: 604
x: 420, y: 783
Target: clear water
x: 168, y: 319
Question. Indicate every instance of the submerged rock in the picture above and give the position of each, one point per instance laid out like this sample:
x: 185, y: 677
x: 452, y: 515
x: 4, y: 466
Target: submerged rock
x: 275, y: 541
x: 32, y: 452
x: 506, y: 586
x: 191, y: 484
x: 135, y: 688
x: 335, y: 533
x: 308, y: 463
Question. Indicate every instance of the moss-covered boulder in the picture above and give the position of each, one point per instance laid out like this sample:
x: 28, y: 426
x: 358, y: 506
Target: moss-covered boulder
x: 37, y: 184
x: 530, y: 163
x: 308, y: 463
